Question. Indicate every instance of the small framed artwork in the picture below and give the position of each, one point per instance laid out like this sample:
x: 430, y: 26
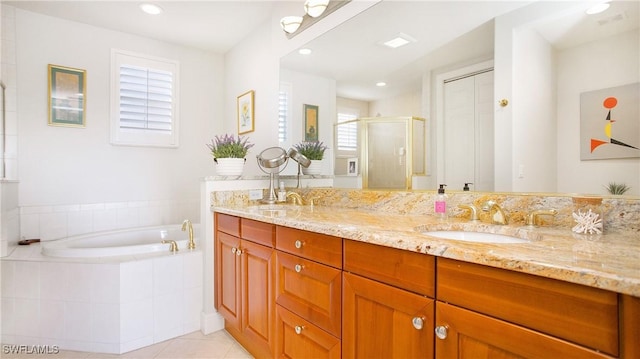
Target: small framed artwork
x: 246, y: 120
x: 352, y: 166
x: 67, y: 96
x: 310, y: 123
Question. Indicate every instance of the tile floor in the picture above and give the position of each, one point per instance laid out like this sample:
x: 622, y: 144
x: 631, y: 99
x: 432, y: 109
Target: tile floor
x: 191, y: 346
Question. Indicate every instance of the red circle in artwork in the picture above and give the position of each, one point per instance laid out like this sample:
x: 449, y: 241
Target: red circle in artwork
x: 610, y: 102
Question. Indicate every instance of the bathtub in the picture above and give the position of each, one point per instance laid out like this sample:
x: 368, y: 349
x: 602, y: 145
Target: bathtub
x: 133, y: 241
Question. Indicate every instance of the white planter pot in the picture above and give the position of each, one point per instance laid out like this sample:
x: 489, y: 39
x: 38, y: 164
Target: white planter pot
x: 315, y: 168
x: 229, y: 166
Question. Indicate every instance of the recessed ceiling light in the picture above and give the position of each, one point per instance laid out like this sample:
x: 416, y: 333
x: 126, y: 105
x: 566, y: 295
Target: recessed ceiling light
x: 381, y: 84
x: 596, y: 9
x: 151, y: 8
x: 399, y: 40
x: 304, y: 51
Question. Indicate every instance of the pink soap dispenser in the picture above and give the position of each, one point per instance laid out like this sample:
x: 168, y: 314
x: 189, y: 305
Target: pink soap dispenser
x: 441, y: 203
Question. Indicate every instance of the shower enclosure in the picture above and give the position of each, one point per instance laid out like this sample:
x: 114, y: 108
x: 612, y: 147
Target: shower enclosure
x: 390, y: 150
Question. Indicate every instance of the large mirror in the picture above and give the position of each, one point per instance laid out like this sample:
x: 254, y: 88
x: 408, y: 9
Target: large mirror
x: 540, y: 58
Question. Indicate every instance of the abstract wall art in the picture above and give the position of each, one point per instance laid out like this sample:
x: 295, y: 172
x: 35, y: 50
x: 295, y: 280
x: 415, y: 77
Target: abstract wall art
x: 610, y: 123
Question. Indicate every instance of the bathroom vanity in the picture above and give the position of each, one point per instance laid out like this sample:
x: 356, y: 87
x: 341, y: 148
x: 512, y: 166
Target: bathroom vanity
x: 304, y: 282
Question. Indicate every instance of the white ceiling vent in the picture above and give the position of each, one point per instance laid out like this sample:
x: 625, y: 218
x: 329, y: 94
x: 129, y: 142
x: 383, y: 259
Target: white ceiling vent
x: 611, y: 19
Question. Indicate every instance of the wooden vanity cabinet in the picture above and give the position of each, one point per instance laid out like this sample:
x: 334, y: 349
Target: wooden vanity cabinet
x: 245, y: 264
x: 308, y: 294
x: 491, y: 310
x: 388, y: 305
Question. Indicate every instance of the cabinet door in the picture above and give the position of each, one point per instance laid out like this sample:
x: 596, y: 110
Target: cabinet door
x: 228, y: 278
x: 463, y: 334
x: 298, y: 338
x: 311, y: 290
x: 378, y: 321
x: 258, y: 304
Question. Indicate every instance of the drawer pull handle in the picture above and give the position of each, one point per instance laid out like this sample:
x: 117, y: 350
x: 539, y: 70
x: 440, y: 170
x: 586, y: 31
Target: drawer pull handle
x: 298, y: 329
x: 298, y: 244
x: 441, y: 332
x: 418, y: 322
x: 298, y: 268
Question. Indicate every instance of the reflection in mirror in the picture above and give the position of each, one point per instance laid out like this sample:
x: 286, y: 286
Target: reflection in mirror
x: 544, y: 55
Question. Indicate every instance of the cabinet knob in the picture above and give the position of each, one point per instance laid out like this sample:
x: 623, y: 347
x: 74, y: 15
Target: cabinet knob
x: 298, y: 244
x: 298, y: 268
x: 238, y: 252
x: 441, y: 331
x: 298, y: 329
x: 233, y: 250
x: 418, y: 322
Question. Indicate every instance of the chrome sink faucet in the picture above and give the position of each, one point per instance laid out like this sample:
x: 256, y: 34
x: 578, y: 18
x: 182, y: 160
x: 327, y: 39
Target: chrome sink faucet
x: 533, y: 215
x: 497, y: 214
x: 187, y: 225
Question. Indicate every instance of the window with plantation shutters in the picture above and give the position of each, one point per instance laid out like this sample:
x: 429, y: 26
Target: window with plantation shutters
x: 284, y: 111
x: 347, y: 134
x: 144, y: 100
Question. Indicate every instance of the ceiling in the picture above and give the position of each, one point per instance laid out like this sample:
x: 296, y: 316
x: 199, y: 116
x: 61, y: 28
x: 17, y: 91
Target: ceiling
x: 210, y: 25
x: 352, y: 53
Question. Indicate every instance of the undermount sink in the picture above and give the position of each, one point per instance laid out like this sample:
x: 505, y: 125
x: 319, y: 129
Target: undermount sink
x: 478, y: 237
x: 273, y: 210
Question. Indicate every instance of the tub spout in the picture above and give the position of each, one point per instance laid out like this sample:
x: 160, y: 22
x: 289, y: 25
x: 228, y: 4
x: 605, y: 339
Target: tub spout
x: 187, y: 225
x: 174, y: 245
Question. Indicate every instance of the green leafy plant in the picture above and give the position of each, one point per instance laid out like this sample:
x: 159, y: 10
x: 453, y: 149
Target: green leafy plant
x: 617, y: 188
x: 311, y: 150
x: 228, y: 146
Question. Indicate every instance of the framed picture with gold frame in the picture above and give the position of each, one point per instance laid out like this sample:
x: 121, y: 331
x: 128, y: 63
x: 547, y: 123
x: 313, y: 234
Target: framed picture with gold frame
x: 310, y: 123
x: 67, y: 96
x: 246, y: 120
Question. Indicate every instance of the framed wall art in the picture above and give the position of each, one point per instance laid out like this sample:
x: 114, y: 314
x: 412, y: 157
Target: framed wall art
x: 246, y: 120
x: 67, y: 96
x: 310, y: 123
x: 352, y: 166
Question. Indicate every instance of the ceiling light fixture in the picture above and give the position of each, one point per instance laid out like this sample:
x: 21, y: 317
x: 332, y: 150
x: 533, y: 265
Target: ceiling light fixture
x: 381, y: 84
x: 596, y: 9
x: 290, y: 23
x: 151, y: 9
x: 315, y: 8
x: 304, y: 51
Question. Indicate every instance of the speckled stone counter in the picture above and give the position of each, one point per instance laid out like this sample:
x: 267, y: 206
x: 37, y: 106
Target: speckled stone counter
x: 395, y: 219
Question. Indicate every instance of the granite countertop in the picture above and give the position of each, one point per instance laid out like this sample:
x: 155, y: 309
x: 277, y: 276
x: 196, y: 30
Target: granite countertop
x: 610, y: 261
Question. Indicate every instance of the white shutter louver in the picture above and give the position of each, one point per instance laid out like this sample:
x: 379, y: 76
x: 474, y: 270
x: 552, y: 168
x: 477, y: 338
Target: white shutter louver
x: 145, y: 99
x: 347, y: 134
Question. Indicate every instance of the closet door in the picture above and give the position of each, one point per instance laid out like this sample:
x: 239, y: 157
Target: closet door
x: 468, y: 132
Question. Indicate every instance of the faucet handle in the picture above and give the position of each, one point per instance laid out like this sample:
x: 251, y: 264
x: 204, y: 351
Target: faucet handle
x: 174, y: 245
x: 311, y: 201
x: 533, y: 215
x: 474, y: 212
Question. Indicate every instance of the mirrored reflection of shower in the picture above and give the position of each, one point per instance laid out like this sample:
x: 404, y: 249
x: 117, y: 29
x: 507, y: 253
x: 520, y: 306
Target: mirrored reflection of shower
x: 390, y: 150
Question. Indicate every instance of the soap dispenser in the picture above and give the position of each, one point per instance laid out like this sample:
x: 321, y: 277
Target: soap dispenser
x: 466, y: 186
x: 441, y: 203
x: 282, y: 193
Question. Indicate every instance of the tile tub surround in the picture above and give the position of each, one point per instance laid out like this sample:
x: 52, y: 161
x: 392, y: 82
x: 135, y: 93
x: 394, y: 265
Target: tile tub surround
x: 610, y: 261
x: 106, y: 305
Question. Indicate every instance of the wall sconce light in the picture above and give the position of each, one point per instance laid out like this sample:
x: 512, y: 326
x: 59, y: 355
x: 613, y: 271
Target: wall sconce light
x: 290, y: 23
x: 315, y: 8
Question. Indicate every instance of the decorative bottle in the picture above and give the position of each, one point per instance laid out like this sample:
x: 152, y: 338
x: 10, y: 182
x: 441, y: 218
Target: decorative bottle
x: 441, y: 203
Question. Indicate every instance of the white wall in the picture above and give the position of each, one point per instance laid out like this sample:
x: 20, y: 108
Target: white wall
x: 317, y: 91
x: 78, y: 166
x: 620, y: 55
x: 408, y: 104
x: 534, y: 116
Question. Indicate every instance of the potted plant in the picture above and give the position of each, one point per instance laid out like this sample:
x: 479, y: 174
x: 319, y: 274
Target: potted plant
x: 617, y: 188
x: 229, y: 154
x: 314, y: 151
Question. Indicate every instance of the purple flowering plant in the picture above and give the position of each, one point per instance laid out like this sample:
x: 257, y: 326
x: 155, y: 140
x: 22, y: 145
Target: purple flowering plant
x: 228, y: 146
x: 312, y: 150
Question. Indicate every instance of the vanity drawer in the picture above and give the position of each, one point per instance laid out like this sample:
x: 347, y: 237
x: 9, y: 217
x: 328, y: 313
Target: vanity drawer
x: 314, y: 246
x: 400, y: 268
x: 580, y: 314
x: 311, y: 290
x: 298, y: 338
x: 228, y: 224
x: 258, y: 232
